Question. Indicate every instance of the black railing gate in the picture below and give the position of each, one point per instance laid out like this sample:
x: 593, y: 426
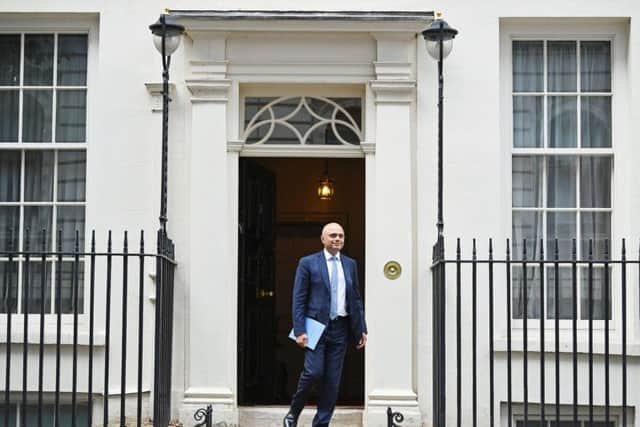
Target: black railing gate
x: 554, y: 322
x: 51, y: 332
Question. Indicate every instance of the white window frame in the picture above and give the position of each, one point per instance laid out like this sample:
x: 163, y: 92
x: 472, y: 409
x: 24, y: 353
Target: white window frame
x: 512, y: 29
x: 53, y: 24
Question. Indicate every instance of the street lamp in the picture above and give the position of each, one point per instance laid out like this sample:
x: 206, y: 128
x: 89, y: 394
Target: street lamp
x: 439, y: 42
x: 167, y: 35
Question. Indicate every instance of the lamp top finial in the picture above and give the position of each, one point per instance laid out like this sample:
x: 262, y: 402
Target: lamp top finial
x: 439, y: 14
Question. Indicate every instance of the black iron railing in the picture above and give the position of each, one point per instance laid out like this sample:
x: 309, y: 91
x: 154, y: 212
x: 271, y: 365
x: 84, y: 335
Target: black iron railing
x: 59, y: 306
x: 548, y: 315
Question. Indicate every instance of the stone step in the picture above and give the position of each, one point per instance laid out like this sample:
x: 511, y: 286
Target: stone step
x: 271, y: 416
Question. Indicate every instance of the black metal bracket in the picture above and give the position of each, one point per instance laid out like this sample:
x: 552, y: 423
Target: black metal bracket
x: 205, y: 415
x: 393, y: 418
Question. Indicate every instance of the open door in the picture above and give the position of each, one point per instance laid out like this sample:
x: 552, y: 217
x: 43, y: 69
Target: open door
x: 256, y: 278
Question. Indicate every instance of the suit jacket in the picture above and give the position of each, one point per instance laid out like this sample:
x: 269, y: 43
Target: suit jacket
x: 312, y: 294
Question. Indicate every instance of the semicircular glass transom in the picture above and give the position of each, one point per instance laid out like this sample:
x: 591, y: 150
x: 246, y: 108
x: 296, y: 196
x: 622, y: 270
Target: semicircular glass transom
x: 302, y: 120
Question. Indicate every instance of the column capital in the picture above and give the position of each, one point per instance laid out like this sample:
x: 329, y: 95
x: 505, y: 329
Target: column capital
x: 208, y: 90
x: 393, y: 91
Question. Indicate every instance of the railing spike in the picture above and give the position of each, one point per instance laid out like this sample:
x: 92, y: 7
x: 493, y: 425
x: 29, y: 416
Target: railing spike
x: 473, y: 250
x: 93, y: 241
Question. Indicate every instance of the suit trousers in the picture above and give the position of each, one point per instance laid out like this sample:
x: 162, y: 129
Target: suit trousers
x: 323, y: 367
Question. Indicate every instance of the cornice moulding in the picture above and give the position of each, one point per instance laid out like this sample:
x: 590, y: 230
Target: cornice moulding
x: 208, y: 90
x: 393, y: 91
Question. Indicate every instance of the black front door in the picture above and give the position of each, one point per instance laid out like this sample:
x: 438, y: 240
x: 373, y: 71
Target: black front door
x: 256, y: 278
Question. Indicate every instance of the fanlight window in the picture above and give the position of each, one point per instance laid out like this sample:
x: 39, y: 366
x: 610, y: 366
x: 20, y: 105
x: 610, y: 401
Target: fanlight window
x: 303, y: 121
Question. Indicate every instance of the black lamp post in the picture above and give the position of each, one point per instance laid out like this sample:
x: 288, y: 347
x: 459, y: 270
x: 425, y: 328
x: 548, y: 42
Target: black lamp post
x: 167, y: 35
x: 439, y: 41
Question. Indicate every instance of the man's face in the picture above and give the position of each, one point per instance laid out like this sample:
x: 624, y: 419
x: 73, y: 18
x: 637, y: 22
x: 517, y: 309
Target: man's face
x: 332, y: 238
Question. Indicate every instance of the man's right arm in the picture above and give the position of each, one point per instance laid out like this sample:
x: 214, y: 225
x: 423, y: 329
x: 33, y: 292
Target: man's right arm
x: 300, y: 296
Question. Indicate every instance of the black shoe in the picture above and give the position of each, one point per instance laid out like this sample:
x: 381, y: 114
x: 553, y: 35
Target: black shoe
x: 290, y: 420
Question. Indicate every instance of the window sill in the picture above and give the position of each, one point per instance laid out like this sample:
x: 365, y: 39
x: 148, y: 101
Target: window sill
x: 66, y: 337
x: 566, y: 346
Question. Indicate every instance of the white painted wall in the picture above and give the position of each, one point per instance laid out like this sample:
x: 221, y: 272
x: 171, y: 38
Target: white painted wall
x: 124, y: 156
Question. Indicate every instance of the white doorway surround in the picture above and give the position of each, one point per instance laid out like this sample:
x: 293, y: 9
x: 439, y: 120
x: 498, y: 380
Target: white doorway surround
x: 232, y: 55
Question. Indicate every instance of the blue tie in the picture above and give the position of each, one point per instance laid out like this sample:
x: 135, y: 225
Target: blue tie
x: 333, y: 280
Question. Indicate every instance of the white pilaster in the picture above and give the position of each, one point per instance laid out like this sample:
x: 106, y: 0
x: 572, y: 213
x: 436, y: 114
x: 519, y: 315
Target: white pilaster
x: 390, y: 315
x: 210, y: 368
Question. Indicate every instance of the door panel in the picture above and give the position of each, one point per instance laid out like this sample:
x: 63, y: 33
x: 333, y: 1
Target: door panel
x: 256, y: 308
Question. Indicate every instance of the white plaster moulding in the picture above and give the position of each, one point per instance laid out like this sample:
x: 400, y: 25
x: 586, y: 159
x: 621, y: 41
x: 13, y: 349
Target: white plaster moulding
x: 393, y: 91
x: 205, y: 90
x: 155, y: 91
x: 215, y: 70
x: 268, y: 150
x: 392, y: 398
x: 219, y: 395
x: 356, y: 72
x: 393, y: 70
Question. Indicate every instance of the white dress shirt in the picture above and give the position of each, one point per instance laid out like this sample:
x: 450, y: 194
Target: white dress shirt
x: 342, y: 285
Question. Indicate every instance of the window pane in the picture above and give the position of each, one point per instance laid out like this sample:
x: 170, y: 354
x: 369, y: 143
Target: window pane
x: 595, y: 182
x: 561, y: 226
x: 528, y: 65
x: 38, y: 179
x: 9, y: 106
x: 526, y: 225
x: 527, y: 121
x: 36, y: 115
x: 38, y: 60
x: 35, y: 287
x: 72, y: 283
x: 595, y: 114
x: 72, y: 60
x: 71, y: 176
x: 71, y: 219
x: 12, y: 414
x: 10, y: 63
x: 561, y: 181
x: 9, y: 223
x: 562, y: 66
x: 71, y: 115
x: 82, y: 415
x: 31, y: 412
x: 8, y: 287
x: 595, y: 66
x: 596, y: 285
x: 532, y: 290
x: 526, y: 183
x: 565, y: 293
x: 563, y: 124
x: 597, y: 227
x: 9, y: 176
x: 36, y: 219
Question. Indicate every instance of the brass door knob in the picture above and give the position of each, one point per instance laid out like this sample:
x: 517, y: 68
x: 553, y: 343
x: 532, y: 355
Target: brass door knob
x: 392, y: 270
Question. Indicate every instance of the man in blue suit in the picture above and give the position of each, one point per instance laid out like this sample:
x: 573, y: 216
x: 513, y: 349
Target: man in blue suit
x: 326, y: 289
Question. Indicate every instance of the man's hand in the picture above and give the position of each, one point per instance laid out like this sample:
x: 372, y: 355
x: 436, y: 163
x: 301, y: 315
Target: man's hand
x: 301, y: 340
x: 362, y: 341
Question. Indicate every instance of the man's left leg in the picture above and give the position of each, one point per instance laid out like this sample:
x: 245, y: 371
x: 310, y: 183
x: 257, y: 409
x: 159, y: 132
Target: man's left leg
x: 336, y: 346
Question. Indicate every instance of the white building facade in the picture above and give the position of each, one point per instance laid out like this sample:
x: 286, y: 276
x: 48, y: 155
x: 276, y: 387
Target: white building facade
x: 540, y: 116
